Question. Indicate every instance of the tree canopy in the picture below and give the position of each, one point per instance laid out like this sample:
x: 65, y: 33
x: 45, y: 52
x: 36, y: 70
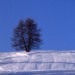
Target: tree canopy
x: 26, y: 35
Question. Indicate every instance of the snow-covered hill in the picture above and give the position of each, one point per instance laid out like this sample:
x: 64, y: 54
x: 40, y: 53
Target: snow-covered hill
x: 37, y: 61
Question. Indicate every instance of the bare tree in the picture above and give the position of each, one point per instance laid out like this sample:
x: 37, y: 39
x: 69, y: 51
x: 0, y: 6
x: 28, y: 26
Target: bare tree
x: 26, y: 36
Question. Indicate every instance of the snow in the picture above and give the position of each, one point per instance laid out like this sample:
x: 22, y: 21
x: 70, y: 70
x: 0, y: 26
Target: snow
x: 38, y: 73
x: 1, y: 69
x: 20, y: 54
x: 37, y: 63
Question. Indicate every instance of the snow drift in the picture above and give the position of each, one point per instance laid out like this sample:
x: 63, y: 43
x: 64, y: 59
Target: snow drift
x: 37, y: 61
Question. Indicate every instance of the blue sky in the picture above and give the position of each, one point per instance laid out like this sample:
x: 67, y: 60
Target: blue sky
x: 56, y: 18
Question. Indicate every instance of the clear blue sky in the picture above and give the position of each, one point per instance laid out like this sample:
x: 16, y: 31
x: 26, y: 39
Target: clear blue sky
x: 56, y: 18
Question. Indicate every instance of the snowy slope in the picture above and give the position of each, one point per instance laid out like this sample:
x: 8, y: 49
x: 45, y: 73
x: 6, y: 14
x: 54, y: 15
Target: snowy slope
x: 37, y: 61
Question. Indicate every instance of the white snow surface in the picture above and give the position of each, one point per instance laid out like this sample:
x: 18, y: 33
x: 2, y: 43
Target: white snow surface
x: 37, y: 61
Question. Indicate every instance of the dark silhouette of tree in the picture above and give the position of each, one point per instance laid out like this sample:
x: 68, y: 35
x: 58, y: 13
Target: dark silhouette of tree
x: 26, y: 36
